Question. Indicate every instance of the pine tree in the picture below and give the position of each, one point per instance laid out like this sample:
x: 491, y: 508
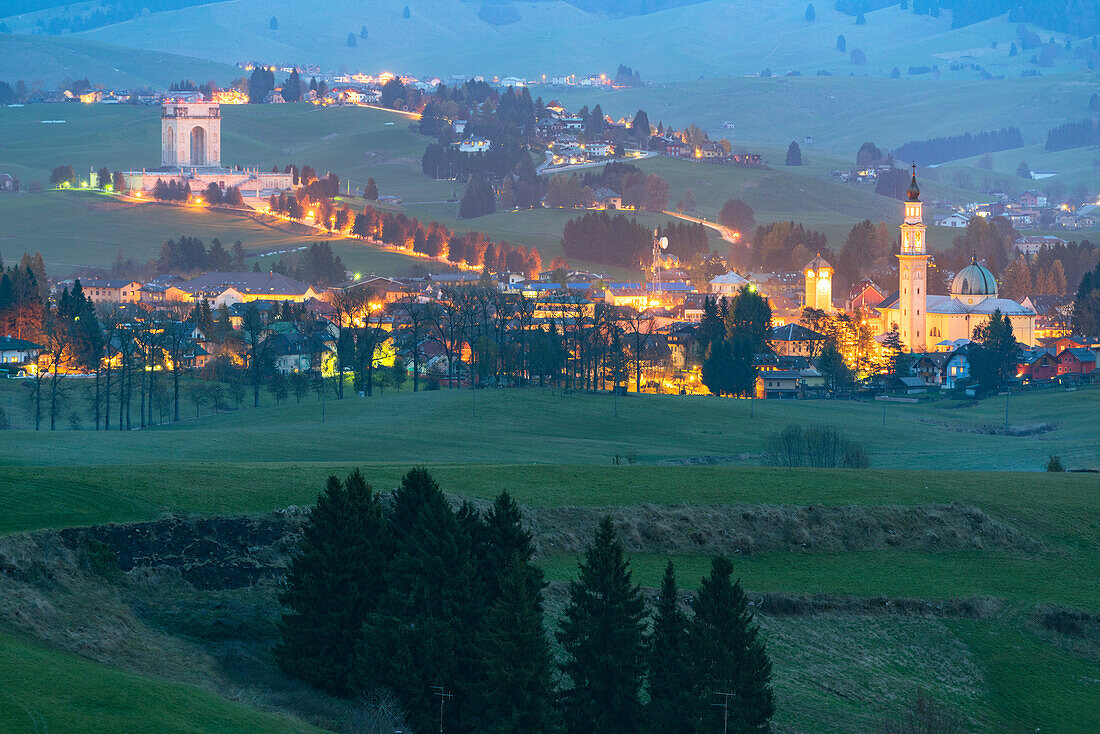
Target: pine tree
x: 333, y: 583
x: 841, y: 44
x: 602, y: 637
x: 811, y: 15
x: 671, y: 704
x: 794, y: 155
x: 729, y: 656
x: 370, y: 191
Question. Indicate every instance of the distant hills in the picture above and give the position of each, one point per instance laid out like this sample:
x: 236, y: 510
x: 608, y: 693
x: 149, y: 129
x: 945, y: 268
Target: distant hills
x: 666, y: 40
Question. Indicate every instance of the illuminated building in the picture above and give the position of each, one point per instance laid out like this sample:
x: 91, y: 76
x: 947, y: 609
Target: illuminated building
x: 819, y: 284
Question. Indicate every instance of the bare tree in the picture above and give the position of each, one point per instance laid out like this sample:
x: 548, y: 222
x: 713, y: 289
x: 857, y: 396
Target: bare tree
x: 177, y: 331
x: 56, y: 340
x: 639, y: 327
x: 416, y: 316
x: 349, y: 307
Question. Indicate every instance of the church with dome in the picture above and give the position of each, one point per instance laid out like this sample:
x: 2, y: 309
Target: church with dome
x: 930, y: 323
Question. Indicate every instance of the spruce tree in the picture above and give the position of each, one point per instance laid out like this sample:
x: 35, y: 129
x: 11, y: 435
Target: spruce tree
x: 602, y: 636
x: 729, y: 656
x: 517, y: 685
x: 671, y: 698
x: 332, y: 584
x: 428, y: 629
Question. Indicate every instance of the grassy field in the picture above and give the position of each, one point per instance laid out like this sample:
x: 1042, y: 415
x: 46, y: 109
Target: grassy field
x: 42, y: 689
x: 440, y: 427
x: 834, y: 671
x: 76, y: 229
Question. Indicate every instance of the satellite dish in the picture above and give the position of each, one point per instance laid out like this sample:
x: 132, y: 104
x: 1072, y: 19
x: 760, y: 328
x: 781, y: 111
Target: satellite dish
x: 664, y: 243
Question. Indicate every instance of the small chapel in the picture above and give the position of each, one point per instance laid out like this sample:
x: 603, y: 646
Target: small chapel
x: 929, y: 323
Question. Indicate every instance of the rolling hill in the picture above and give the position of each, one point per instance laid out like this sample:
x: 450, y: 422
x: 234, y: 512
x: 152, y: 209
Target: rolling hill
x: 443, y: 37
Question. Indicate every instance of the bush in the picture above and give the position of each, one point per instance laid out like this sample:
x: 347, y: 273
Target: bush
x: 817, y: 446
x: 1054, y: 463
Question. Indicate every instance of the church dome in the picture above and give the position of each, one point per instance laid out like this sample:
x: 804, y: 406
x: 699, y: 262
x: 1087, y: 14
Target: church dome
x: 974, y: 280
x: 914, y: 191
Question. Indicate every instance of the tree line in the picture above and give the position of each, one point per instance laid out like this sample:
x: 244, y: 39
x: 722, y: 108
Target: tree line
x: 613, y: 239
x: 1073, y: 135
x: 445, y: 608
x: 952, y: 147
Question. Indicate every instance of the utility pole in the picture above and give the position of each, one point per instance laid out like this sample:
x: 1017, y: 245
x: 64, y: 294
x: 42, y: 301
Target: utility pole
x: 1008, y: 391
x: 725, y: 706
x: 443, y: 698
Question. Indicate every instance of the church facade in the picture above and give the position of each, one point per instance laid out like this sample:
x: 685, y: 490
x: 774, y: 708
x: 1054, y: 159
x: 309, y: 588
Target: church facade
x: 928, y: 323
x: 190, y: 142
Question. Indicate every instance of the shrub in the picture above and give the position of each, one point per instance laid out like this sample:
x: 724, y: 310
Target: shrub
x: 1054, y: 463
x: 818, y: 446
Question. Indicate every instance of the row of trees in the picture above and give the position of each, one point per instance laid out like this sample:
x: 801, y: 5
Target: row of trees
x: 190, y: 255
x: 613, y: 239
x: 445, y: 608
x: 1024, y: 277
x: 435, y: 240
x: 1074, y: 135
x: 952, y: 147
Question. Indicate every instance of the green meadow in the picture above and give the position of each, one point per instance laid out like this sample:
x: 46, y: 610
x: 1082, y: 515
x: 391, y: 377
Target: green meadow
x: 999, y: 670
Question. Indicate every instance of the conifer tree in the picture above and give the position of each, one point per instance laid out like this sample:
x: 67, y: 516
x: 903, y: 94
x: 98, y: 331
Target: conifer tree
x: 671, y: 698
x: 333, y: 583
x: 517, y: 685
x: 602, y: 636
x: 728, y: 655
x: 428, y: 630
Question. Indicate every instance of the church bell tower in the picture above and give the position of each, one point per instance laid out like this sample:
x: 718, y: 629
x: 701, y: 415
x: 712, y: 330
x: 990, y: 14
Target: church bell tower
x: 913, y: 272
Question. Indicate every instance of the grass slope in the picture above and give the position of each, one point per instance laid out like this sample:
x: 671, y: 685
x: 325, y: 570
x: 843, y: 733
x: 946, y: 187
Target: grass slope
x: 76, y: 229
x: 50, y: 60
x: 42, y: 689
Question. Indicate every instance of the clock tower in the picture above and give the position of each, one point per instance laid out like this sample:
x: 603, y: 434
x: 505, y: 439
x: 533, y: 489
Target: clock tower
x: 912, y: 273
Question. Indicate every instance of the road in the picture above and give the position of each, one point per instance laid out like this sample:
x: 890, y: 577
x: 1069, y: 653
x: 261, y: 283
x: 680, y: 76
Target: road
x: 544, y: 167
x: 728, y: 234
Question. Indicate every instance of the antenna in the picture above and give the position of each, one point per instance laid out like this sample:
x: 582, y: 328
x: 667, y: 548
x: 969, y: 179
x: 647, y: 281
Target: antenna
x: 659, y: 243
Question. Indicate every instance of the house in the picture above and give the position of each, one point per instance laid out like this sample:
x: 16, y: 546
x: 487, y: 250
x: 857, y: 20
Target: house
x: 796, y: 340
x: 864, y: 294
x: 230, y: 288
x: 99, y: 290
x: 954, y: 220
x: 793, y: 383
x: 726, y: 285
x: 599, y: 150
x: 1037, y: 365
x: 296, y: 352
x: 473, y: 145
x: 605, y: 198
x: 1032, y: 198
x: 1076, y: 361
x: 956, y: 369
x: 1032, y: 244
x: 18, y: 351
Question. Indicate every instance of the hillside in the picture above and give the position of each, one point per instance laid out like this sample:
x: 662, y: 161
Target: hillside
x: 676, y: 43
x: 47, y: 60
